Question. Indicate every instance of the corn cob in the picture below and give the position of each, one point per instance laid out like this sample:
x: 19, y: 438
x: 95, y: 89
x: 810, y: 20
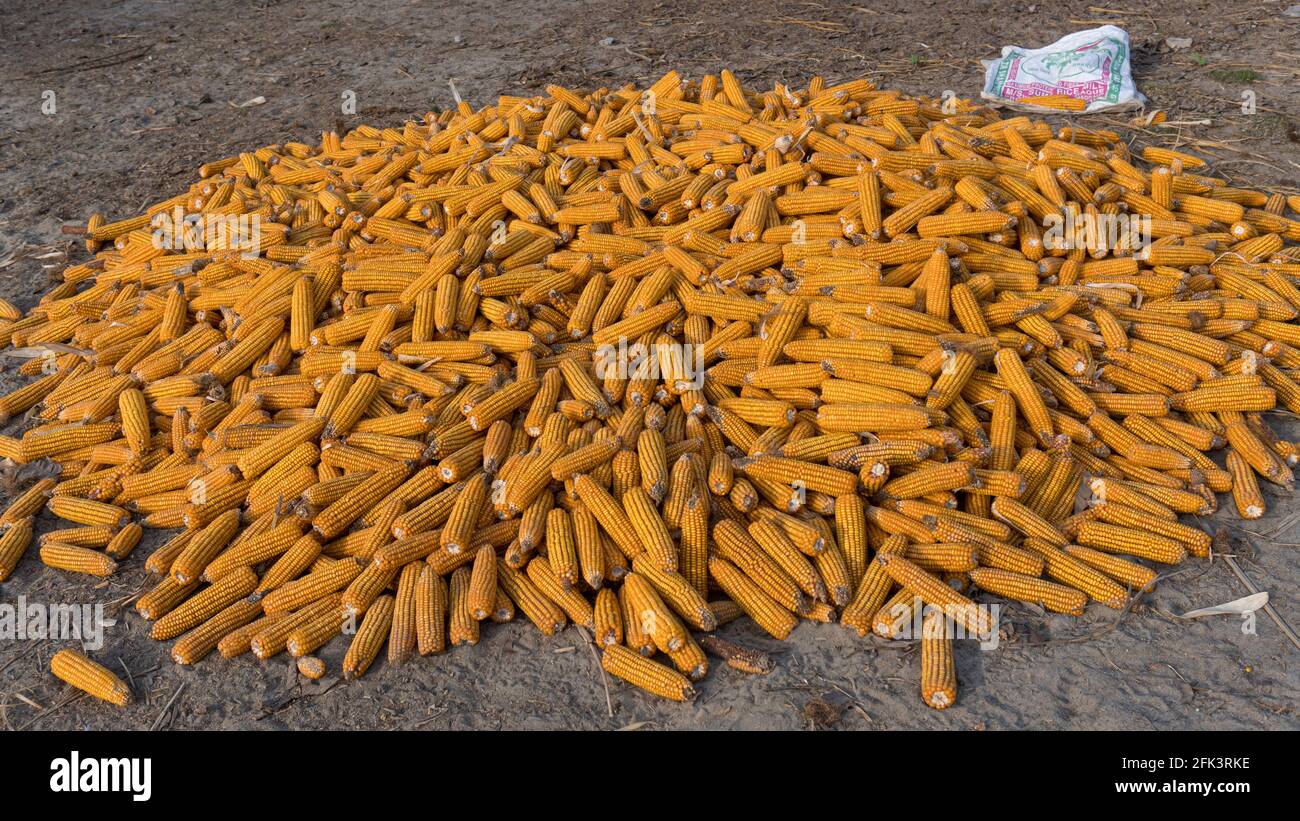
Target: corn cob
x: 874, y: 587
x: 401, y: 637
x: 773, y: 618
x: 1196, y: 541
x: 1246, y: 494
x: 29, y: 503
x: 205, y: 604
x: 1130, y: 573
x: 740, y: 658
x: 539, y: 609
x: 650, y: 676
x: 464, y: 627
x: 1069, y: 571
x: 73, y: 667
x: 650, y: 529
x: 431, y: 608
x: 203, y: 639
x: 935, y: 593
x: 1116, y: 539
x: 310, y: 667
x: 369, y: 638
x: 938, y: 672
x: 480, y: 597
x: 77, y: 559
x: 1054, y: 597
x: 608, y: 618
x: 14, y: 540
x: 574, y: 605
x: 313, y: 586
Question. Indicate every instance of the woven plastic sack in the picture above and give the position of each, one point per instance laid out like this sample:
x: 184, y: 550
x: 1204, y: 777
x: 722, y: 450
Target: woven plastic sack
x: 1093, y: 66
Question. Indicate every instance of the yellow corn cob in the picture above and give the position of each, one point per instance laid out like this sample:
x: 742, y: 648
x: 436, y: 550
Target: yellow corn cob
x: 935, y: 593
x: 402, y: 633
x: 204, y: 547
x: 464, y: 627
x: 77, y: 559
x: 367, y: 586
x: 310, y: 667
x: 87, y: 512
x: 588, y: 546
x: 162, y: 599
x: 930, y: 479
x: 1196, y: 541
x: 1130, y: 573
x: 650, y: 676
x: 481, y: 595
x: 369, y: 638
x: 14, y: 541
x: 980, y: 222
x: 1069, y: 571
x: 693, y: 559
x: 810, y: 476
x: 943, y: 558
x: 1245, y: 489
x: 203, y: 639
x: 769, y: 615
x: 73, y: 667
x: 1026, y: 521
x: 1046, y: 594
x: 834, y: 571
x: 123, y: 542
x: 885, y: 418
x: 431, y: 609
x: 608, y: 618
x: 29, y: 503
x: 650, y: 530
x: 1013, y: 373
x: 312, y: 587
x: 938, y: 672
x: 202, y: 606
x: 304, y: 552
x: 1116, y: 539
x: 539, y: 609
x: 352, y: 505
x: 135, y: 419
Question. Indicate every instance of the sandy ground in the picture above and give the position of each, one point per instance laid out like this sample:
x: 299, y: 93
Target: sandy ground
x: 145, y: 91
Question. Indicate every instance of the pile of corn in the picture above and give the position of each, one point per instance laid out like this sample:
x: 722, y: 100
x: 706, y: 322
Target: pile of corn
x: 399, y: 412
